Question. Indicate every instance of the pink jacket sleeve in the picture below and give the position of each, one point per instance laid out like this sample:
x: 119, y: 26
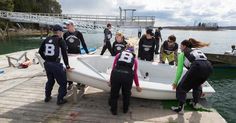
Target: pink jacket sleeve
x: 114, y: 62
x: 136, y: 81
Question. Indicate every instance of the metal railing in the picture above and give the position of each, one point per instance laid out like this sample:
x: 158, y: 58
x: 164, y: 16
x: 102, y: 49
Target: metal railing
x: 81, y: 20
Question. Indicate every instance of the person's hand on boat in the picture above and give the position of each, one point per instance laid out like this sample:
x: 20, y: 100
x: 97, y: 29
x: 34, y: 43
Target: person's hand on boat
x: 69, y: 69
x: 174, y: 86
x: 109, y: 84
x: 138, y: 89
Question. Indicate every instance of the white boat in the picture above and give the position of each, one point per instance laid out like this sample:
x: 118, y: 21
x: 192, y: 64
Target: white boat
x: 94, y: 70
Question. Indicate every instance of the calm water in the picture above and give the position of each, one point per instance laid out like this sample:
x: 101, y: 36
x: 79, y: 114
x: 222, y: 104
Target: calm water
x: 223, y: 80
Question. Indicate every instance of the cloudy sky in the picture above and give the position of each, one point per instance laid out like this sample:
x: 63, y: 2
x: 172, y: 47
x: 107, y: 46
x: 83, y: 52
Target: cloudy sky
x: 167, y: 12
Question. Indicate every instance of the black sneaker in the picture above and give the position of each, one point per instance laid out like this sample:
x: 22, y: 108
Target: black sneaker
x: 47, y: 99
x: 113, y: 112
x: 60, y: 102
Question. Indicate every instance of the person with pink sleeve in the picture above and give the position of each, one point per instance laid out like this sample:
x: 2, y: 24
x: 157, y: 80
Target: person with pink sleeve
x: 124, y: 71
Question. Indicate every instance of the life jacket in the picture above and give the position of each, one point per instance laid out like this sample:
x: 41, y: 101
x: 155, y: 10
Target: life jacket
x: 192, y: 55
x: 125, y: 61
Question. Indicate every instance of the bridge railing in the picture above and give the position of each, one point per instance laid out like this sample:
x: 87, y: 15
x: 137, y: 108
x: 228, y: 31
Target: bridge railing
x: 101, y: 20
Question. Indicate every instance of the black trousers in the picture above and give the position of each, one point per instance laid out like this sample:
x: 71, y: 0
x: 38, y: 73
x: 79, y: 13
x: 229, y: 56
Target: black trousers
x: 193, y: 79
x: 56, y: 71
x: 139, y: 34
x: 105, y: 47
x: 157, y: 45
x: 147, y: 57
x: 124, y: 82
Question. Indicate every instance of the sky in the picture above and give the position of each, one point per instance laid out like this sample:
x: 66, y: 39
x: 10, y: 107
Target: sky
x: 166, y: 12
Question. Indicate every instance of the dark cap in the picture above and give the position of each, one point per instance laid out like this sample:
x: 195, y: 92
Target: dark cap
x: 149, y: 31
x: 108, y: 25
x: 57, y: 28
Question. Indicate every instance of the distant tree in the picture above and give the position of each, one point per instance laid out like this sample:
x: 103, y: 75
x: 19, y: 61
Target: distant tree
x: 6, y: 5
x: 37, y: 6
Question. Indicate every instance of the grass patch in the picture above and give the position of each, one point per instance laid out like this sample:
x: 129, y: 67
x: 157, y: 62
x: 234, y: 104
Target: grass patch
x: 168, y: 103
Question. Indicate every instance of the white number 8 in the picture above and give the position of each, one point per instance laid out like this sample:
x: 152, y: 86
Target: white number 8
x: 49, y: 50
x: 126, y: 57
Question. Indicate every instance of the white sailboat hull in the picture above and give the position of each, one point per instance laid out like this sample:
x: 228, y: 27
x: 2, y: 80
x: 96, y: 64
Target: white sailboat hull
x: 95, y: 71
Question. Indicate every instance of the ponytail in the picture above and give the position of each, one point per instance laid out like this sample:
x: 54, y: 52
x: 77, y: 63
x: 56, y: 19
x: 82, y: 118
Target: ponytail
x: 192, y: 43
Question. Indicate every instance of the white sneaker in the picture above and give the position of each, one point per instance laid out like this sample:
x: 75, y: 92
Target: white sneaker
x: 178, y: 109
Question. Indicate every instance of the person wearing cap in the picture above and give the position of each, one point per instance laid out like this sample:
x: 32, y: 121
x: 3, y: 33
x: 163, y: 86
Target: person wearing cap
x: 50, y: 51
x: 73, y: 40
x: 119, y: 44
x: 169, y: 51
x: 124, y: 71
x: 147, y: 46
x: 158, y: 38
x: 107, y: 38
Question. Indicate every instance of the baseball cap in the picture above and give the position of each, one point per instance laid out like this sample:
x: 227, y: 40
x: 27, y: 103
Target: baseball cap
x: 57, y: 28
x: 69, y: 22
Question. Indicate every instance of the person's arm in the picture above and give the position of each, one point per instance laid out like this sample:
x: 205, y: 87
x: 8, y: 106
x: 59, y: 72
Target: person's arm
x: 114, y: 65
x: 140, y: 48
x: 160, y: 36
x: 115, y: 60
x: 83, y: 42
x: 179, y: 68
x: 176, y: 54
x: 113, y: 48
x: 64, y: 53
x: 42, y: 50
x: 136, y: 81
x: 161, y: 52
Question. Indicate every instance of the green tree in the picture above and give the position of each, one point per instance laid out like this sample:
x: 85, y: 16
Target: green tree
x: 37, y: 6
x: 6, y: 5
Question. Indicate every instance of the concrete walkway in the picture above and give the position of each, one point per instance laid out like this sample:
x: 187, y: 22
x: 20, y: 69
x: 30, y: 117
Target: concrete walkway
x: 22, y: 94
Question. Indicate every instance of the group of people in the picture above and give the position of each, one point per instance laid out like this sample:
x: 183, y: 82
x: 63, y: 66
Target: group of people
x: 51, y: 50
x: 125, y: 65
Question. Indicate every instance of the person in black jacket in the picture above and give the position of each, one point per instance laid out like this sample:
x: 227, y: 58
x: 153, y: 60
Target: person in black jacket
x: 147, y: 46
x: 107, y: 37
x: 119, y: 44
x: 158, y: 38
x: 50, y: 51
x: 73, y: 40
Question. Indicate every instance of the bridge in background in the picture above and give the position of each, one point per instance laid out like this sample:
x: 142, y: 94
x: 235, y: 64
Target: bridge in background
x: 83, y: 22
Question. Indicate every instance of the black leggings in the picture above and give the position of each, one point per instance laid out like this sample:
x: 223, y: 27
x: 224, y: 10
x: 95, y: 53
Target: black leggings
x: 106, y: 46
x: 124, y: 82
x: 193, y: 79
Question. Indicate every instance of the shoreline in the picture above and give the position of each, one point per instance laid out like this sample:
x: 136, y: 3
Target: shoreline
x: 22, y: 33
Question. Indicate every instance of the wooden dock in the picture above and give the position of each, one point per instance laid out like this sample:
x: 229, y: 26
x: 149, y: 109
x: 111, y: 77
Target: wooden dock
x: 22, y: 101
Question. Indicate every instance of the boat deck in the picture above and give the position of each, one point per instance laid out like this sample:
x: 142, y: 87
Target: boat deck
x: 22, y: 94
